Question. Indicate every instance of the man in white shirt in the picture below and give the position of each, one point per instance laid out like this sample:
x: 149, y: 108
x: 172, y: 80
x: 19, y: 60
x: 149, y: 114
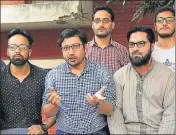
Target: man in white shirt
x: 164, y: 49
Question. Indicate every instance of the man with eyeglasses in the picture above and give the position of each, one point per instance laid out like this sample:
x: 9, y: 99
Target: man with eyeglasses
x: 164, y: 50
x: 102, y: 49
x: 145, y: 90
x: 78, y: 92
x: 21, y: 88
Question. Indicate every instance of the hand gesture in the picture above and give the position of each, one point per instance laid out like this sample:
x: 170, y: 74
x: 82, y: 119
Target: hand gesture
x: 54, y: 98
x: 96, y: 98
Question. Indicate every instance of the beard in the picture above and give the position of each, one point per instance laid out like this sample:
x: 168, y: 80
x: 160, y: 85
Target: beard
x: 18, y: 61
x: 168, y: 35
x: 140, y: 61
x: 104, y: 35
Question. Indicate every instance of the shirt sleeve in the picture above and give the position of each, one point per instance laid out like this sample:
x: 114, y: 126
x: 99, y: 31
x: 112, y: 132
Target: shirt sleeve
x: 108, y: 82
x: 49, y: 82
x: 125, y: 59
x: 116, y: 120
x: 167, y: 125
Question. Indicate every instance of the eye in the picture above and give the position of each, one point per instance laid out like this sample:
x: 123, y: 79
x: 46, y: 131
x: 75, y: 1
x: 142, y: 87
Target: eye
x: 106, y: 20
x: 160, y: 20
x: 75, y: 46
x: 97, y: 20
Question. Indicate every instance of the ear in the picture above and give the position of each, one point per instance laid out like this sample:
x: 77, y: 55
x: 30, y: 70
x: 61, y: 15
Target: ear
x: 7, y: 52
x: 152, y: 46
x: 113, y: 25
x: 30, y: 51
x: 92, y: 25
x: 155, y: 26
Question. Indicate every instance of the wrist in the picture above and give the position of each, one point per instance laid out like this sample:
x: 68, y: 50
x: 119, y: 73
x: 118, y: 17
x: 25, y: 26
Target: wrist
x: 44, y: 127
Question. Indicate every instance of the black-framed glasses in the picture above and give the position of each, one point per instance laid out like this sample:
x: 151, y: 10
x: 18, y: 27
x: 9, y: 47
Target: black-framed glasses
x: 168, y: 20
x: 105, y: 20
x: 138, y: 44
x: 66, y: 48
x: 22, y: 47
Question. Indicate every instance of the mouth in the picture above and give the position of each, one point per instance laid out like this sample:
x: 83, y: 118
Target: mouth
x: 72, y: 59
x: 17, y: 56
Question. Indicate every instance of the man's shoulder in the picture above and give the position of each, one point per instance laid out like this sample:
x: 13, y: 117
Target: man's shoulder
x: 59, y: 68
x: 118, y: 45
x: 163, y: 68
x: 123, y: 71
x: 39, y: 70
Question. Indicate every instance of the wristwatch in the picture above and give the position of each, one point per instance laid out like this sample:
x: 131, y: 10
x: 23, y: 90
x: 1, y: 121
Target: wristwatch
x: 44, y: 127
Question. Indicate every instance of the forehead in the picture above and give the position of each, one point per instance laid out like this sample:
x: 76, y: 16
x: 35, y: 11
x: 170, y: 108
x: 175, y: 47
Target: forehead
x: 165, y: 14
x: 102, y: 14
x: 71, y: 40
x: 18, y: 39
x: 138, y: 36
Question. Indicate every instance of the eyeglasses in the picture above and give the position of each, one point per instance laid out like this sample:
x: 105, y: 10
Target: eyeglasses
x: 66, y: 48
x: 105, y: 21
x: 139, y: 44
x: 22, y: 47
x: 168, y: 20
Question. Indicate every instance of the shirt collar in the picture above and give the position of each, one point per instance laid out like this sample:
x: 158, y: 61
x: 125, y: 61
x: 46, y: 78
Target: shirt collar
x: 151, y: 67
x: 31, y: 68
x: 93, y: 42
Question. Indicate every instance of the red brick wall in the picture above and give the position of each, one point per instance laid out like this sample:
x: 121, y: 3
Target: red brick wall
x: 45, y: 41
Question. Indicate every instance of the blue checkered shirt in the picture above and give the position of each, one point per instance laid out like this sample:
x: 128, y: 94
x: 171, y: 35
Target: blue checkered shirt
x: 75, y: 115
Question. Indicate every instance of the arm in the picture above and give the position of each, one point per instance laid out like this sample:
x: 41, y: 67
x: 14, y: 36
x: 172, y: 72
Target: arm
x: 106, y: 107
x: 36, y: 129
x: 116, y: 120
x: 167, y: 125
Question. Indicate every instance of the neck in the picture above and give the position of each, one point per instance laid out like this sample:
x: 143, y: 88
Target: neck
x: 78, y: 69
x: 141, y: 70
x: 102, y: 42
x: 166, y: 43
x: 20, y: 72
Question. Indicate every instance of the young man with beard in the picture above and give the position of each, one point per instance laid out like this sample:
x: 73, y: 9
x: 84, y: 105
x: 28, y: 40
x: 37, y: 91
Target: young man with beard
x: 145, y: 90
x: 102, y: 49
x: 21, y: 88
x: 71, y: 89
x: 164, y: 49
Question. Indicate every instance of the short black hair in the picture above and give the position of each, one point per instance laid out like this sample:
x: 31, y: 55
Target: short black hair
x: 140, y: 28
x: 21, y: 32
x: 67, y: 33
x: 163, y: 9
x: 103, y: 7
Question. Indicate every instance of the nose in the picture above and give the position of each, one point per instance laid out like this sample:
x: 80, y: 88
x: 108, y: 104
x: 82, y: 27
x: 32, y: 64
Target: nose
x: 17, y: 50
x: 164, y: 22
x: 71, y: 51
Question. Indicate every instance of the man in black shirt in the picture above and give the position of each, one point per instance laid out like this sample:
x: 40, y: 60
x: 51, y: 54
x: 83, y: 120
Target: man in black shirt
x: 21, y: 88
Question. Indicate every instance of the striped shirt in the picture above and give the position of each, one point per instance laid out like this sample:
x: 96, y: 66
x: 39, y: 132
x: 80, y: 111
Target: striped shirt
x: 145, y: 105
x: 113, y: 56
x: 75, y: 115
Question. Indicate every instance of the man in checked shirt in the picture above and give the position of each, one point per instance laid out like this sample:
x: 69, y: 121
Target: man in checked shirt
x: 79, y: 92
x: 102, y: 49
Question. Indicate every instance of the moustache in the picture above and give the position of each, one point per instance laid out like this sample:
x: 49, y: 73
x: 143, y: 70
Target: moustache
x: 136, y: 53
x: 165, y: 28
